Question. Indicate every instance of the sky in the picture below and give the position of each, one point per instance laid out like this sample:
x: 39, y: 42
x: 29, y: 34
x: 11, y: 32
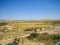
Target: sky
x: 29, y: 9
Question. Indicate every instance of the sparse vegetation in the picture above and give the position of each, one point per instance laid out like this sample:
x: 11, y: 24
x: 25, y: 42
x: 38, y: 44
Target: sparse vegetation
x: 3, y: 23
x: 45, y: 37
x: 30, y: 26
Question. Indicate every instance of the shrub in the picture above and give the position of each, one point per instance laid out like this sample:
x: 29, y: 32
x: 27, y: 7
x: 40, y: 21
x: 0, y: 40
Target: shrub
x: 3, y: 23
x: 55, y: 37
x: 44, y: 36
x: 16, y: 40
x: 33, y: 35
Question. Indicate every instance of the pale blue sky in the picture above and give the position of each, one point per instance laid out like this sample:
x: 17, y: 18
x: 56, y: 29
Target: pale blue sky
x: 29, y: 9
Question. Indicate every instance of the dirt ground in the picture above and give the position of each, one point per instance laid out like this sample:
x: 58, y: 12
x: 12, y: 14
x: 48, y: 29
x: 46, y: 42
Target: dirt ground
x: 22, y: 35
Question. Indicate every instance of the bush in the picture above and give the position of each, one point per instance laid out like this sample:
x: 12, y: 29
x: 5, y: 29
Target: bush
x: 55, y: 37
x: 44, y: 36
x: 33, y: 35
x: 16, y: 40
x: 3, y: 23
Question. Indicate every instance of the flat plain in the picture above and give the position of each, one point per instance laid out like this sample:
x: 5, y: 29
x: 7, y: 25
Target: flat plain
x: 29, y: 32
